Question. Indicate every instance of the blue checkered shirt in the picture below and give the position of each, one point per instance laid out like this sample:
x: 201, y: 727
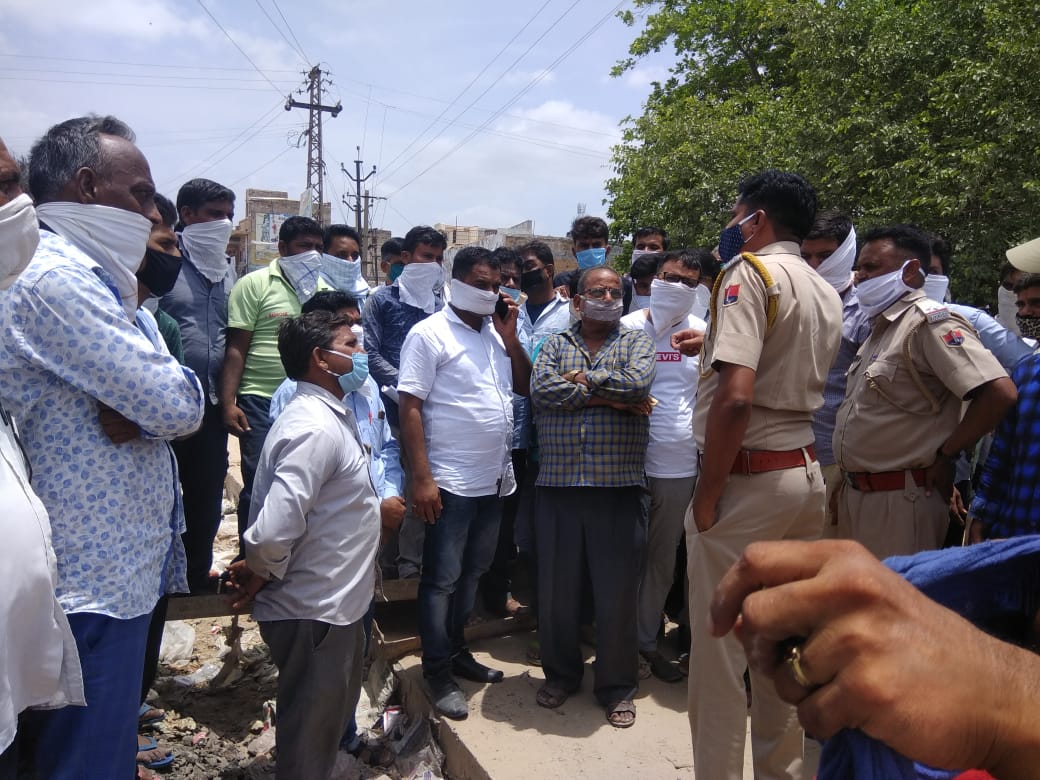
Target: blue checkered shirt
x: 592, y: 446
x: 1008, y: 497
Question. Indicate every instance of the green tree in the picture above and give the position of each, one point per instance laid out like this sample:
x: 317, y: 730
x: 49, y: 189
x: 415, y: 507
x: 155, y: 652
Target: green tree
x: 922, y: 111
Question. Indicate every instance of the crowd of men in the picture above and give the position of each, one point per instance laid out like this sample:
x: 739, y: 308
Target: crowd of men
x: 624, y: 436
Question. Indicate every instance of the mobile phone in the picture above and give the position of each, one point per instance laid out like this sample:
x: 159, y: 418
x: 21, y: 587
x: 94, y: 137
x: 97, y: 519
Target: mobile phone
x: 501, y: 308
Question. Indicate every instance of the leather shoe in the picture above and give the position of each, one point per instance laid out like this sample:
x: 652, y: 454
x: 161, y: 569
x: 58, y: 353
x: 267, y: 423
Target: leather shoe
x: 447, y: 697
x: 467, y: 667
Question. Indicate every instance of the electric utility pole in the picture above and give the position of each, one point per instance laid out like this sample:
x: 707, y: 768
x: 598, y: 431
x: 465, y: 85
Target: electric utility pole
x: 358, y: 181
x: 315, y: 161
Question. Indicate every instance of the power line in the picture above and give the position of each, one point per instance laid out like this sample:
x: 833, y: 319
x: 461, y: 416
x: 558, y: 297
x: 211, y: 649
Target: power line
x: 125, y: 84
x: 137, y: 64
x: 474, y: 80
x: 289, y: 28
x: 240, y: 49
x: 261, y: 167
x: 531, y: 85
x: 296, y: 50
x: 178, y: 77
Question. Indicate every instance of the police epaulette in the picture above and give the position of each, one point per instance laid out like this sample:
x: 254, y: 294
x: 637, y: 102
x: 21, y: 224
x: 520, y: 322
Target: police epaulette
x: 932, y: 310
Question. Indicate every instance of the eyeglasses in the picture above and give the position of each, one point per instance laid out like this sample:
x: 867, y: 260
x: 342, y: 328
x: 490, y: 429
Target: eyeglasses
x: 599, y: 293
x: 676, y: 279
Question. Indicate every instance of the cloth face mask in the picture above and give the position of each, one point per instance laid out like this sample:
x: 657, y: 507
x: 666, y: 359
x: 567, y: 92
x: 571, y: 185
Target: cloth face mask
x: 159, y: 272
x: 418, y: 284
x: 531, y: 279
x: 302, y: 270
x: 116, y: 239
x: 206, y: 245
x: 731, y: 239
x: 936, y: 286
x: 341, y: 274
x: 640, y: 302
x: 836, y: 270
x: 473, y: 300
x: 19, y: 236
x: 877, y: 294
x: 1029, y: 327
x: 602, y: 311
x: 591, y: 258
x: 670, y: 302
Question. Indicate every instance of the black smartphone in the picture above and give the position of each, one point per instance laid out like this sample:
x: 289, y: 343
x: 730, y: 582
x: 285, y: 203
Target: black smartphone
x: 501, y: 308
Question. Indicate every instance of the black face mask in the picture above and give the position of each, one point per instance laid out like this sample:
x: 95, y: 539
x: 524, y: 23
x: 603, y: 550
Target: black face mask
x: 532, y: 279
x: 159, y: 272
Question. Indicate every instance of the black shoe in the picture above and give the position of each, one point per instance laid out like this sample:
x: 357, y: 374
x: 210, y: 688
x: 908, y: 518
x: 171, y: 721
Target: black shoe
x: 661, y: 668
x: 447, y: 697
x: 467, y: 667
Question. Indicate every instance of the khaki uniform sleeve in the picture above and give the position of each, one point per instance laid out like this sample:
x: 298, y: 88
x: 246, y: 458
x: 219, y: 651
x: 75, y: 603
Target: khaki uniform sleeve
x: 741, y: 326
x: 956, y: 356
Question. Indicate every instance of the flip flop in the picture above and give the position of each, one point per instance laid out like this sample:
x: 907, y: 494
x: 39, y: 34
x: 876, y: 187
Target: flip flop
x: 616, y: 711
x: 157, y: 763
x: 150, y: 721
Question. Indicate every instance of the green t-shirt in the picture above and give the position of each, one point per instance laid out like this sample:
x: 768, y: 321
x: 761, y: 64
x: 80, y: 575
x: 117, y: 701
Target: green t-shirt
x: 259, y: 302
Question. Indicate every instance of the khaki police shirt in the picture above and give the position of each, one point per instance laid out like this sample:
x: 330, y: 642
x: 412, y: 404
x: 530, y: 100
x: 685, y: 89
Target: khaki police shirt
x: 790, y: 361
x: 874, y: 433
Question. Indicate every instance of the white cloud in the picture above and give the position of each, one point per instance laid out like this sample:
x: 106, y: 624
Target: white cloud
x: 149, y: 20
x: 643, y: 76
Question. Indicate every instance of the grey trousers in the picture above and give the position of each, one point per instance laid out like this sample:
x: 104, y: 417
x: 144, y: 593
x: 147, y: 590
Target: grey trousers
x: 669, y: 500
x: 597, y: 525
x: 319, y: 682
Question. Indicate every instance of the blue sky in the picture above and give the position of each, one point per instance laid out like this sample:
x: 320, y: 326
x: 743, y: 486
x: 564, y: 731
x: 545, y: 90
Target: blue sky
x: 533, y: 147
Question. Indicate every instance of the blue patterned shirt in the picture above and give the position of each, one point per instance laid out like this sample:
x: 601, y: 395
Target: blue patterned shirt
x: 592, y: 446
x: 66, y: 346
x: 1008, y: 498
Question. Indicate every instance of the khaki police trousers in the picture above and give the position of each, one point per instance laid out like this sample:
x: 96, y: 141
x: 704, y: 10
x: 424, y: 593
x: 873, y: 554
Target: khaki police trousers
x: 787, y: 504
x: 893, y: 522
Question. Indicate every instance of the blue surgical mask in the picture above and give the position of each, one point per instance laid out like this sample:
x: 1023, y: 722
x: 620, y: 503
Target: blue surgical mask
x: 512, y: 293
x: 395, y: 271
x: 348, y: 383
x: 591, y: 258
x: 732, y: 239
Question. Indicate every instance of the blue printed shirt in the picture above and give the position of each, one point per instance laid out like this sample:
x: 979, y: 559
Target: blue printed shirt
x: 67, y: 347
x: 1008, y: 496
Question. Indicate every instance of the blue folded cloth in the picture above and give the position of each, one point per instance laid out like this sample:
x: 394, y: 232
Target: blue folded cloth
x: 995, y: 585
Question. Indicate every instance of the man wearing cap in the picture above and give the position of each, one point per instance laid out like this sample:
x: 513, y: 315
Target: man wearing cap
x: 773, y: 334
x: 900, y: 428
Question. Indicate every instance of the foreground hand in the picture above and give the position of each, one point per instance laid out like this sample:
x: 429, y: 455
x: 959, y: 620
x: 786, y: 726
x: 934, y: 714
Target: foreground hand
x: 391, y: 514
x: 506, y: 326
x: 563, y: 291
x: 705, y: 511
x: 235, y: 420
x: 426, y: 500
x: 245, y: 583
x: 641, y: 409
x: 957, y: 506
x: 938, y: 478
x: 876, y: 650
x: 688, y: 341
x: 117, y: 428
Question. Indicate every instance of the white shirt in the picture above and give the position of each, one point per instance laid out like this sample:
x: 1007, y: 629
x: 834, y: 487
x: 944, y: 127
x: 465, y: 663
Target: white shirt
x: 465, y: 381
x: 39, y: 664
x: 314, y: 522
x: 672, y: 452
x: 556, y: 316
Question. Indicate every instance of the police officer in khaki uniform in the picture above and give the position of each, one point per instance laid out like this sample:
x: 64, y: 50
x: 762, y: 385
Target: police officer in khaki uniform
x: 901, y: 427
x: 774, y: 332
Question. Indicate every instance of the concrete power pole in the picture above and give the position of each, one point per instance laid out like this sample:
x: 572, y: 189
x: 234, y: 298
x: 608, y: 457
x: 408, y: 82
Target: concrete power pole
x: 369, y: 249
x: 358, y: 180
x: 315, y: 161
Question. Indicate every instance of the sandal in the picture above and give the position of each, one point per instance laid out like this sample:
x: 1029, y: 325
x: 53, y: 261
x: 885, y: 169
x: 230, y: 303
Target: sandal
x: 374, y: 754
x: 151, y: 755
x: 617, y: 714
x: 148, y: 715
x: 551, y: 696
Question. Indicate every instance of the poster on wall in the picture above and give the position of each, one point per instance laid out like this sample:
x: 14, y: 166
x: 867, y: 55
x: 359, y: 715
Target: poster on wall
x: 263, y: 248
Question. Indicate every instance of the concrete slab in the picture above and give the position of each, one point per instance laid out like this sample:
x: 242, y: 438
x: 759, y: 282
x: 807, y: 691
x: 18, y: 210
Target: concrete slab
x: 507, y: 735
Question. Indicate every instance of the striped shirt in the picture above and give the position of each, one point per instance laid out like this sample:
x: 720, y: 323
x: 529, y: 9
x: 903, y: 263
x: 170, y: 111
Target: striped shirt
x: 592, y: 446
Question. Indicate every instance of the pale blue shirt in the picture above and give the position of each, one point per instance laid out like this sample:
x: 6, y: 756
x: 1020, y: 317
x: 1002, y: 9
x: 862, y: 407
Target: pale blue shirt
x: 66, y: 347
x: 370, y: 416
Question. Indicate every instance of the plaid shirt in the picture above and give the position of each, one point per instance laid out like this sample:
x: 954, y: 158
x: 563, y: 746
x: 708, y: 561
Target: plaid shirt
x: 1008, y: 498
x: 597, y: 446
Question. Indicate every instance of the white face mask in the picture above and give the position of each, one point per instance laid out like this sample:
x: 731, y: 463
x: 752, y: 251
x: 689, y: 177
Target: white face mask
x: 469, y: 298
x: 836, y: 270
x: 115, y: 239
x: 602, y: 311
x: 359, y: 332
x: 19, y: 235
x: 637, y: 253
x: 877, y: 294
x: 418, y: 284
x: 1007, y: 309
x: 700, y: 308
x: 341, y: 274
x: 670, y: 302
x: 302, y: 270
x: 206, y: 244
x: 936, y: 286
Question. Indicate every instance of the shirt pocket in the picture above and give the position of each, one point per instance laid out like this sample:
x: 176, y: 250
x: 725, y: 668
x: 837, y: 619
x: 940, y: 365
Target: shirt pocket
x: 890, y: 384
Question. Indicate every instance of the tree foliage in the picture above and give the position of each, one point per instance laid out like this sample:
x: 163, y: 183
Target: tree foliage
x: 923, y: 111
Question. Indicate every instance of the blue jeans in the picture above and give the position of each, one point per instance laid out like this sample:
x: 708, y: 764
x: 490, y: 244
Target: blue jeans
x: 99, y: 740
x: 458, y: 549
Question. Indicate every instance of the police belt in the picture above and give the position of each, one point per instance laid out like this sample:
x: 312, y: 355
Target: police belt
x: 759, y: 461
x: 866, y: 482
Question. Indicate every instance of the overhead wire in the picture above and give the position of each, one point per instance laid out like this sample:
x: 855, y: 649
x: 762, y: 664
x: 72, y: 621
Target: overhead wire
x: 531, y: 85
x: 136, y: 64
x: 295, y: 49
x: 290, y: 29
x: 240, y: 49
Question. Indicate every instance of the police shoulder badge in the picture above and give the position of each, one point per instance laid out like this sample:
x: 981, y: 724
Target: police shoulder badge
x: 953, y: 338
x: 731, y: 294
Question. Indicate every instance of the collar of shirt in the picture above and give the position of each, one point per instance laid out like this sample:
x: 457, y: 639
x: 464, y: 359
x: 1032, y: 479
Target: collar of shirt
x: 452, y: 317
x: 303, y: 387
x: 897, y: 309
x: 779, y: 248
